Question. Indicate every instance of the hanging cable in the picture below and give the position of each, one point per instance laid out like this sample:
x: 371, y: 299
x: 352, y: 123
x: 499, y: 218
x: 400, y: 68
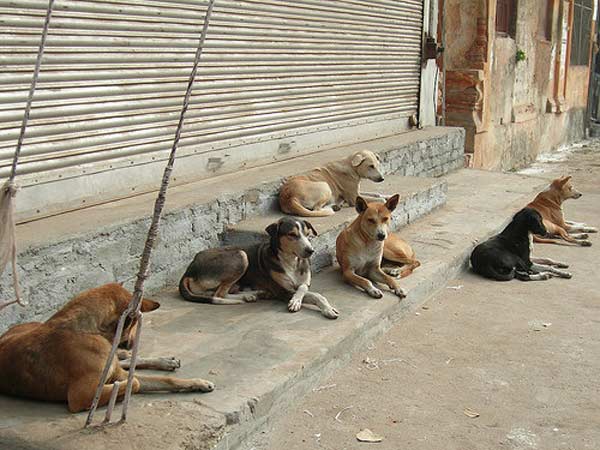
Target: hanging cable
x: 8, y: 235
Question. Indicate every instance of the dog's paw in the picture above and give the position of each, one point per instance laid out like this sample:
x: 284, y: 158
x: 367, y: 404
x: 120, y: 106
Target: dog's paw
x: 204, y: 385
x: 196, y: 385
x: 171, y: 363
x: 544, y: 275
x: 393, y: 272
x: 561, y: 265
x: 564, y: 274
x: 250, y: 298
x: 591, y: 230
x: 580, y: 236
x: 400, y: 292
x: 294, y: 304
x: 585, y: 243
x: 331, y: 313
x: 374, y: 292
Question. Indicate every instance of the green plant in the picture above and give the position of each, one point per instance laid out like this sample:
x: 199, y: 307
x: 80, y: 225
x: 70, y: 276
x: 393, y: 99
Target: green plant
x: 520, y: 56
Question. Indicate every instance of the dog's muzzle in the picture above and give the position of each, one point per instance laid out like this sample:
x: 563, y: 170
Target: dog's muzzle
x: 309, y: 252
x: 381, y: 236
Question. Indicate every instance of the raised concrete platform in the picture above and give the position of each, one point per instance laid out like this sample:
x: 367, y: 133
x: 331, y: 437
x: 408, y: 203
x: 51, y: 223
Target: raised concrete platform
x: 262, y: 357
x: 419, y: 196
x: 62, y: 255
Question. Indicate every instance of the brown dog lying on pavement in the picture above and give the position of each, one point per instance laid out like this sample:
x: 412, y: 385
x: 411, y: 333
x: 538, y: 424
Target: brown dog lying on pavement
x: 359, y: 248
x: 549, y: 204
x: 61, y: 360
x: 322, y: 191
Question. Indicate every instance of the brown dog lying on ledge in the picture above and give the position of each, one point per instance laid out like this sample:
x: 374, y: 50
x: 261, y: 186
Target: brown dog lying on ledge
x: 61, y: 360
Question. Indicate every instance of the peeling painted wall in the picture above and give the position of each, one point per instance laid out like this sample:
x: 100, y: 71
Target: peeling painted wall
x: 517, y: 116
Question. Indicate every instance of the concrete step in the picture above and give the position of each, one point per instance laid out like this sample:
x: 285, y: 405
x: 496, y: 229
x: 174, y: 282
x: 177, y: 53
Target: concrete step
x: 419, y: 196
x: 62, y: 255
x: 261, y: 357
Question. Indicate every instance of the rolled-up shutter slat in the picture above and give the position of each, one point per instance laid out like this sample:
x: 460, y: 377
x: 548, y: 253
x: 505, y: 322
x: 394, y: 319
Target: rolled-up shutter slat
x: 114, y: 73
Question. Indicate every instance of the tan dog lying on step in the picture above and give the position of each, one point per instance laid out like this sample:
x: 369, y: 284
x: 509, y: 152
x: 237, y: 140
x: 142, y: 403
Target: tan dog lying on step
x: 322, y: 191
x: 61, y: 359
x: 549, y: 204
x: 359, y: 248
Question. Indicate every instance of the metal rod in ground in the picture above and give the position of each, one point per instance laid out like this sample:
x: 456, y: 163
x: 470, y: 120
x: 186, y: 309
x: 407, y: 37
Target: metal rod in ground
x: 134, y: 307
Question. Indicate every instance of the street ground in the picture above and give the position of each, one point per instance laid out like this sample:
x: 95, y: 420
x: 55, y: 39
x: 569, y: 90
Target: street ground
x: 483, y: 365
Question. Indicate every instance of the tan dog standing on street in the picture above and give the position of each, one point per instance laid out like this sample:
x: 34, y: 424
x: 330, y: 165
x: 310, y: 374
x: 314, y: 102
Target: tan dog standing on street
x: 549, y: 204
x: 61, y: 360
x: 323, y: 190
x: 359, y: 248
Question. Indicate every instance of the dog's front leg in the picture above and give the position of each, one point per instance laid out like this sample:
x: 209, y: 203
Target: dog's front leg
x: 549, y: 262
x: 295, y: 302
x: 579, y: 227
x: 541, y: 268
x: 362, y: 283
x: 148, y: 383
x: 380, y: 276
x: 312, y: 298
x: 168, y: 364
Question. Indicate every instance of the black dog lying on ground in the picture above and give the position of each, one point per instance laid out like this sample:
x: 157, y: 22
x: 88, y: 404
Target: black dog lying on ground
x: 508, y: 255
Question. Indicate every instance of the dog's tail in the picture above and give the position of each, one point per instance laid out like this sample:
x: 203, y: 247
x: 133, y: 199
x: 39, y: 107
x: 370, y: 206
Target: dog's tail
x: 293, y: 206
x: 187, y: 294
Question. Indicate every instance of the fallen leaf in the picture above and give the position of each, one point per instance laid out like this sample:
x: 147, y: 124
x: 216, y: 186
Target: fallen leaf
x: 367, y: 435
x: 470, y: 413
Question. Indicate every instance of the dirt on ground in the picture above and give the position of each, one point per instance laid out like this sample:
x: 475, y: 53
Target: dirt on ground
x: 483, y: 365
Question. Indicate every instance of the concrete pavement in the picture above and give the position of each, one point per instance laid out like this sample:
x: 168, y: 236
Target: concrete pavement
x: 521, y: 357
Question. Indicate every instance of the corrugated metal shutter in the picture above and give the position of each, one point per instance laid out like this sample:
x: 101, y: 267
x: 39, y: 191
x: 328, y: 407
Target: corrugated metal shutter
x: 114, y: 74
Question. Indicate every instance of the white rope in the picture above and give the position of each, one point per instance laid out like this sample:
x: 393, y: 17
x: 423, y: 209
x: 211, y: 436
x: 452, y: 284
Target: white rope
x: 8, y: 238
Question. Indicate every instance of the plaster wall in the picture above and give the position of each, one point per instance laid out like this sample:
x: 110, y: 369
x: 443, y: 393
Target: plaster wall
x: 516, y: 124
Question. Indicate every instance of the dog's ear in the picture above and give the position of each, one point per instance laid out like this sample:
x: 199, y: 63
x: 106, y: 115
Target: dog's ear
x: 357, y: 159
x: 361, y: 205
x: 149, y: 305
x: 392, y: 202
x: 564, y: 180
x: 273, y: 230
x: 310, y: 227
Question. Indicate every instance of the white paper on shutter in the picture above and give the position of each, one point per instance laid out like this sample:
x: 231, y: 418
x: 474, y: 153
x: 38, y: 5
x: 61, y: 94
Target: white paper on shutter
x: 277, y: 78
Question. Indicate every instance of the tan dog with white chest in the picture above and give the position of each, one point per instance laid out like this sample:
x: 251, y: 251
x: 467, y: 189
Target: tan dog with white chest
x: 359, y: 248
x: 323, y: 190
x: 549, y: 204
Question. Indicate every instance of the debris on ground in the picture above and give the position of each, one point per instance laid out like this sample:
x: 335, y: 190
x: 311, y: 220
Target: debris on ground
x: 367, y: 435
x: 470, y: 413
x: 455, y: 288
x: 337, y: 416
x: 538, y: 325
x: 324, y: 388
